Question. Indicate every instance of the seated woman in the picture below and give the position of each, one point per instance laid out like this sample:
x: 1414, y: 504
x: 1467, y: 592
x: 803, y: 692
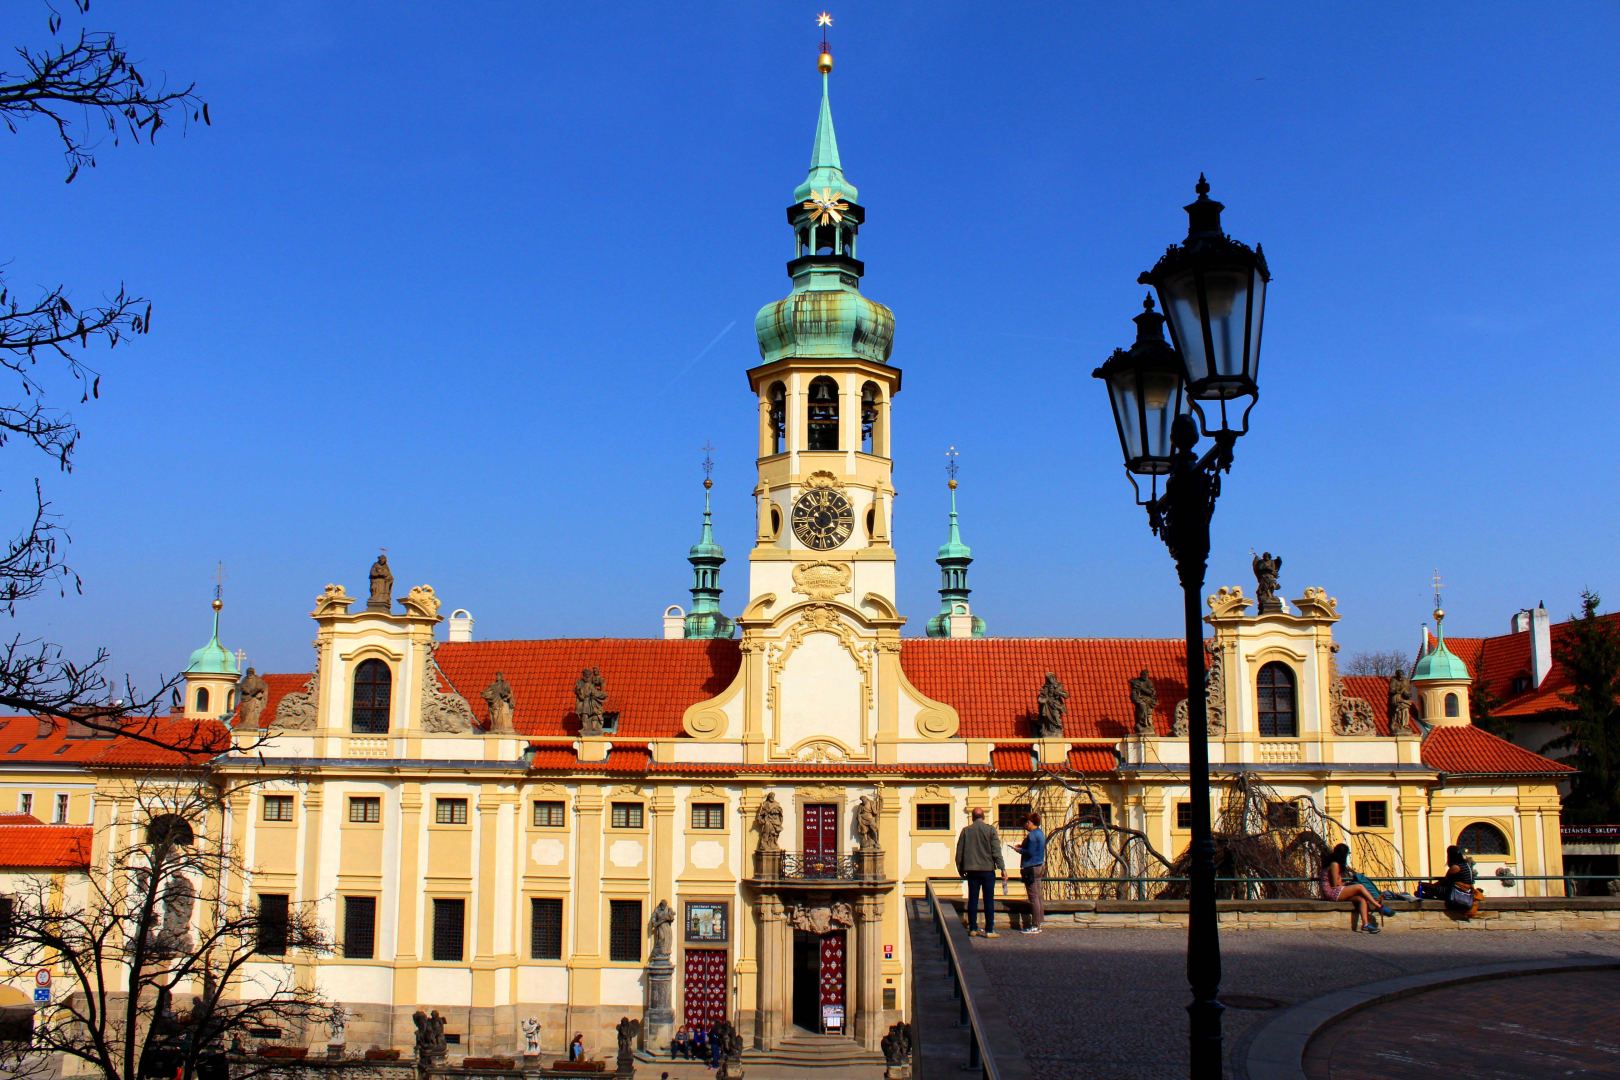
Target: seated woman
x: 576, y: 1049
x: 681, y: 1045
x: 1458, y: 874
x: 1335, y: 888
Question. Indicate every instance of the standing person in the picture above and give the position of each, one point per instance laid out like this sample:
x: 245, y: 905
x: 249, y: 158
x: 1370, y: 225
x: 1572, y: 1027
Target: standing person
x: 1032, y: 868
x: 978, y: 859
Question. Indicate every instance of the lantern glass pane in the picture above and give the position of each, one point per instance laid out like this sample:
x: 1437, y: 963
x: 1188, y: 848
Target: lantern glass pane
x: 1256, y: 318
x: 1178, y: 296
x: 1123, y: 397
x: 1227, y: 292
x: 1161, y: 400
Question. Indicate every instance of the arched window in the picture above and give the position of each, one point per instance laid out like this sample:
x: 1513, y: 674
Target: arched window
x: 169, y: 829
x: 1481, y: 838
x: 230, y: 701
x: 1278, y: 717
x: 373, y: 689
x: 869, y: 418
x: 823, y: 426
x: 777, y: 396
x: 1453, y: 707
x: 202, y: 699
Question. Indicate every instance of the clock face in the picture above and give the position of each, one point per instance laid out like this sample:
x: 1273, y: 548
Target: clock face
x: 822, y: 519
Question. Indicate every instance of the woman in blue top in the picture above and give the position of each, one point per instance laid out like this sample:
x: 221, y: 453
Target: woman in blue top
x: 1032, y: 868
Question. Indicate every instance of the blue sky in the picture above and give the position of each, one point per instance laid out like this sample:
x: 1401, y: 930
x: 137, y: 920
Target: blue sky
x: 475, y: 282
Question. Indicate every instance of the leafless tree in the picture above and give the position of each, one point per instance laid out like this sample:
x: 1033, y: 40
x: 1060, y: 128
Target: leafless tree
x: 84, y: 86
x: 1383, y: 662
x: 165, y: 954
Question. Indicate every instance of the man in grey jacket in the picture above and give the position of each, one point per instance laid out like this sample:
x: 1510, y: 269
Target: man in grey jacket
x: 978, y: 859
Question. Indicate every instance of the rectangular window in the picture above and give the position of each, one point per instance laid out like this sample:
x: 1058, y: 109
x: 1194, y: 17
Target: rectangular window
x: 627, y: 815
x: 359, y: 927
x: 450, y: 811
x: 449, y: 929
x: 1282, y: 815
x: 624, y: 930
x: 1372, y: 815
x: 708, y: 815
x: 1183, y: 815
x: 933, y: 815
x: 365, y: 808
x: 548, y: 814
x: 272, y: 924
x: 25, y: 803
x: 61, y: 809
x: 1101, y: 814
x: 278, y: 808
x: 545, y: 928
x: 1011, y: 815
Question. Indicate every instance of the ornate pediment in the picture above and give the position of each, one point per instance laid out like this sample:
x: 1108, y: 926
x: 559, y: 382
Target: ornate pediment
x: 822, y: 479
x: 821, y: 580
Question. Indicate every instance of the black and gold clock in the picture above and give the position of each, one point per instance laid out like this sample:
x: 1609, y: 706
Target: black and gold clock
x: 822, y: 519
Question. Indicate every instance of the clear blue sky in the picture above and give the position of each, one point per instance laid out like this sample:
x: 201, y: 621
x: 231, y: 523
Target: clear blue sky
x: 475, y: 282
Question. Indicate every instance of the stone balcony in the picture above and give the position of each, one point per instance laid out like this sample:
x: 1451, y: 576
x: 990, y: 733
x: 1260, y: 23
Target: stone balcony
x: 813, y: 870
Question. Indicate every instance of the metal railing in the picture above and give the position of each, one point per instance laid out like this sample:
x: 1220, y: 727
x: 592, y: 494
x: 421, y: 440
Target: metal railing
x: 818, y: 867
x: 1249, y: 887
x: 969, y: 1017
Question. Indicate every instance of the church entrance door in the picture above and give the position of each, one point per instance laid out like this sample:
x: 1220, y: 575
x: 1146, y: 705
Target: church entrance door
x: 818, y: 982
x: 703, y: 987
x: 820, y: 840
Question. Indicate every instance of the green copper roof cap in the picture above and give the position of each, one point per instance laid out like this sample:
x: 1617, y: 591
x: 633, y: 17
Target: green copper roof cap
x: 826, y: 170
x: 1440, y: 663
x: 704, y: 619
x: 953, y: 548
x: 706, y: 548
x: 954, y: 559
x: 213, y: 658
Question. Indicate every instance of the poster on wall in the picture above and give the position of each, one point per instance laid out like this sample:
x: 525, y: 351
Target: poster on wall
x: 705, y: 922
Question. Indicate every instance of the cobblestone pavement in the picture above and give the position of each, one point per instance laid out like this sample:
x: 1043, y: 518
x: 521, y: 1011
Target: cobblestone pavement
x: 1110, y: 1003
x: 688, y: 1071
x: 1495, y: 1029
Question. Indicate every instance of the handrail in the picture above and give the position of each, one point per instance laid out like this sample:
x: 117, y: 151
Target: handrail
x: 981, y: 1057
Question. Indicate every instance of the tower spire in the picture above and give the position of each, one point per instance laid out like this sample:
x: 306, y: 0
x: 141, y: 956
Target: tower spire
x: 954, y: 559
x: 704, y: 619
x: 826, y: 169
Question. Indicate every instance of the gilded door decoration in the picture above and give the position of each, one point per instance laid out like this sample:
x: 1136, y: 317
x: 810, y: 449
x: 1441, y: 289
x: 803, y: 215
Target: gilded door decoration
x: 703, y: 983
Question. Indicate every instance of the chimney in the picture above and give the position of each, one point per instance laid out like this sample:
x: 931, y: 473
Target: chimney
x: 461, y: 624
x: 674, y: 622
x: 1540, y: 644
x: 1521, y: 621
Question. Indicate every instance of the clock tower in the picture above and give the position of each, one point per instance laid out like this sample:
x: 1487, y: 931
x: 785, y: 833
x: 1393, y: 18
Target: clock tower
x: 824, y: 385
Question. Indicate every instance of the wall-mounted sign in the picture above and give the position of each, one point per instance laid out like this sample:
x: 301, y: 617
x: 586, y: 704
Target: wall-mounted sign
x: 42, y: 995
x: 888, y: 952
x: 706, y: 922
x: 42, y: 977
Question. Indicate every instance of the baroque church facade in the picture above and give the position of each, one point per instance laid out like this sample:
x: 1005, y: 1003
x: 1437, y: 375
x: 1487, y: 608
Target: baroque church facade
x: 725, y: 822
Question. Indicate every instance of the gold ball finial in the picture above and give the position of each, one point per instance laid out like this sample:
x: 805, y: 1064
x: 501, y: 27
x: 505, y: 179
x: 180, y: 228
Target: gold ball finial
x: 707, y: 483
x: 218, y: 603
x: 824, y: 64
x: 1439, y: 614
x: 951, y: 484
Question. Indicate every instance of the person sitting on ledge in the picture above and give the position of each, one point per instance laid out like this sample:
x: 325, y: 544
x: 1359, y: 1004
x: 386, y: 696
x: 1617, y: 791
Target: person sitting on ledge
x: 1334, y: 888
x: 681, y: 1046
x: 1458, y: 875
x: 698, y: 1048
x: 576, y: 1049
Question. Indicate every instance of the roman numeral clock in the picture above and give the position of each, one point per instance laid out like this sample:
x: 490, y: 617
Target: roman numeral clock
x: 822, y: 519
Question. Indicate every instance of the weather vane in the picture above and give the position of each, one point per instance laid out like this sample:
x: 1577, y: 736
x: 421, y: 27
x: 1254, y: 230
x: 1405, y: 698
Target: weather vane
x: 1438, y: 585
x: 951, y: 468
x: 219, y: 584
x: 824, y: 63
x: 708, y: 463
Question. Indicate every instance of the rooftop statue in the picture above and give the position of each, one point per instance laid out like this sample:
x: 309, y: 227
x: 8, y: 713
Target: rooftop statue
x: 498, y: 696
x: 382, y: 586
x: 1145, y: 696
x: 1400, y: 704
x: 1266, y: 567
x: 1052, y: 703
x: 590, y: 695
x: 251, y: 694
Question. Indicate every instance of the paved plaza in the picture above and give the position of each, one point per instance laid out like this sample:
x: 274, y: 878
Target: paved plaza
x: 1109, y: 1003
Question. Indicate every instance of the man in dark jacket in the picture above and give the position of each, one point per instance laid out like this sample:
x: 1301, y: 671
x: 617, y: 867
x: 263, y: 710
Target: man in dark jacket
x: 978, y: 859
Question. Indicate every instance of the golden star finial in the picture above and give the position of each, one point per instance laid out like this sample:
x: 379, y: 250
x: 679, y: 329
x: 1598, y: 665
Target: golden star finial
x: 826, y: 207
x: 824, y: 19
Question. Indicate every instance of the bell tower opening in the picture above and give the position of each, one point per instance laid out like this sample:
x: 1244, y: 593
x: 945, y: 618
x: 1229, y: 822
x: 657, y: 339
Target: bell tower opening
x: 823, y: 419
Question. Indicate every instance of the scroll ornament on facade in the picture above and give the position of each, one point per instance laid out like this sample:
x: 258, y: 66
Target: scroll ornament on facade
x: 821, y: 919
x: 442, y: 712
x: 1214, y: 701
x: 1351, y: 716
x: 296, y: 711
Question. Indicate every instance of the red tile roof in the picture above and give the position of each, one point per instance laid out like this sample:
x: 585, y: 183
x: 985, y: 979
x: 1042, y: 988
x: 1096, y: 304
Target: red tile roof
x: 993, y: 682
x: 649, y: 681
x: 1374, y: 690
x: 45, y: 847
x: 1472, y: 750
x: 186, y: 742
x: 1495, y: 662
x: 19, y: 819
x: 20, y: 740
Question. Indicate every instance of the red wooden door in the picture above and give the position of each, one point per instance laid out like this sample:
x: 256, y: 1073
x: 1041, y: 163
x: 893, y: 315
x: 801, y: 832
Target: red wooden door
x: 832, y: 982
x: 703, y: 987
x: 821, y: 839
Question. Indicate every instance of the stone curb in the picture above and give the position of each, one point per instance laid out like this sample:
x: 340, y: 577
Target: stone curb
x: 1276, y: 1049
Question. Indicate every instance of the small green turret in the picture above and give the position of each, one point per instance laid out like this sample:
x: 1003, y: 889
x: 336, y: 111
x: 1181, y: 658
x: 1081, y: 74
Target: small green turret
x: 705, y: 620
x: 954, y: 559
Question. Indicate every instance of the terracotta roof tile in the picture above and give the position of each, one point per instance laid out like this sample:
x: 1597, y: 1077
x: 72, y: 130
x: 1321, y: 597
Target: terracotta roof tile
x: 1374, y: 690
x: 1496, y: 662
x: 186, y: 742
x: 650, y: 681
x: 45, y: 847
x: 993, y: 682
x: 1472, y: 750
x: 1092, y: 759
x: 19, y: 819
x: 20, y: 741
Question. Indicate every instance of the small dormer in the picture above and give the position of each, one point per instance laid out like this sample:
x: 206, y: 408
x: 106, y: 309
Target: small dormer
x: 210, y: 677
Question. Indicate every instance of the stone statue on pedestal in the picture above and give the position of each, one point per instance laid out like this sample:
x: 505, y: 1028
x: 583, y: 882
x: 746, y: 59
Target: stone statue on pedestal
x: 866, y: 822
x: 498, y: 696
x: 1145, y: 697
x: 663, y: 915
x: 768, y: 822
x: 1266, y: 568
x: 531, y: 1037
x: 382, y: 586
x: 1400, y: 704
x: 590, y: 695
x: 251, y: 694
x: 1052, y: 703
x: 628, y: 1030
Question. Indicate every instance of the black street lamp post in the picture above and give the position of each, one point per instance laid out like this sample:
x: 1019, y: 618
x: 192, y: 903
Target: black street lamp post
x: 1212, y: 289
